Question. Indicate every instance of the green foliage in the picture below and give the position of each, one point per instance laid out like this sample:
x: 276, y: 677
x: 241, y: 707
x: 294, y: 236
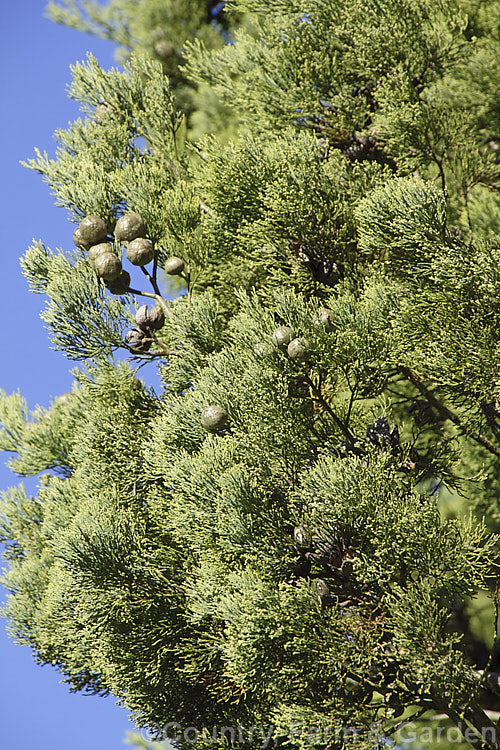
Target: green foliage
x: 155, y: 29
x: 404, y: 216
x: 103, y: 155
x: 141, y: 743
x: 141, y: 24
x: 323, y: 559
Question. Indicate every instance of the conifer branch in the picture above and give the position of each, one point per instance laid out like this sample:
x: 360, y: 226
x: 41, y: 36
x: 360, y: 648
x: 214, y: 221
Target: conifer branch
x: 477, y: 720
x: 155, y: 267
x: 439, y: 163
x: 489, y: 680
x: 152, y: 280
x: 490, y: 415
x: 165, y: 350
x: 319, y: 397
x: 206, y: 209
x: 445, y: 413
x: 480, y: 721
x: 353, y: 391
x: 157, y: 297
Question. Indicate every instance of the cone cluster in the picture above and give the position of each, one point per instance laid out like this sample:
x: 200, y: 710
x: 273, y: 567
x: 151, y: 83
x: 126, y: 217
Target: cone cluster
x: 93, y: 235
x: 147, y: 322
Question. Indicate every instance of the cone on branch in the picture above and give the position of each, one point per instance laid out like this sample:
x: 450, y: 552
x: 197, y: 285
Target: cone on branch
x: 299, y: 350
x: 120, y: 285
x: 282, y: 336
x: 92, y: 230
x: 138, y: 340
x: 129, y: 227
x: 107, y: 266
x: 174, y: 266
x: 214, y: 418
x: 325, y: 319
x: 99, y: 249
x: 147, y: 318
x: 140, y: 251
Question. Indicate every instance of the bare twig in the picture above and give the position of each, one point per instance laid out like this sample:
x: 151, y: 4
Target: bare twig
x: 319, y: 397
x: 157, y: 297
x: 206, y: 209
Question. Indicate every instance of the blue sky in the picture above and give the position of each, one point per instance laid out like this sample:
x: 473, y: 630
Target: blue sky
x: 36, y: 711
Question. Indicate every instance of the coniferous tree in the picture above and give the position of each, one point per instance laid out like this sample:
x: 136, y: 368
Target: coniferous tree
x: 298, y: 532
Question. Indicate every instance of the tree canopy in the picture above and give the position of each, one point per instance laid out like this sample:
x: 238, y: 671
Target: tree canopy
x: 290, y: 213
